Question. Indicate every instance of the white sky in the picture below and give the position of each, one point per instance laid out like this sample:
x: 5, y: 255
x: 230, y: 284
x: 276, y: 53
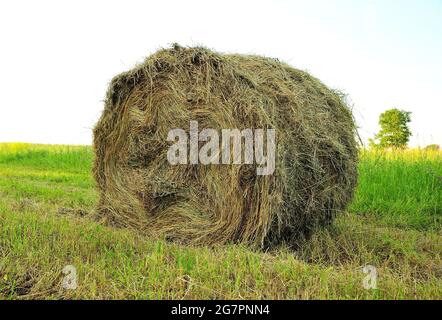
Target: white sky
x: 57, y: 57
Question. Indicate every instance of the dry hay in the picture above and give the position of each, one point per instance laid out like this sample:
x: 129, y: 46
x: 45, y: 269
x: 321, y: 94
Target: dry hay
x: 316, y: 153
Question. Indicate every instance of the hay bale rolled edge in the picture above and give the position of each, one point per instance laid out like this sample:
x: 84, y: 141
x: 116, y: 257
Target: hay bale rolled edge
x: 315, y: 172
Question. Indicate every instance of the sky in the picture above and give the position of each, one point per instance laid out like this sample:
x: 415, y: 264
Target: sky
x: 57, y: 57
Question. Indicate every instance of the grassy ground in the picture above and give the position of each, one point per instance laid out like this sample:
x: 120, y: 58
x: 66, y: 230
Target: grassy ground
x: 47, y: 199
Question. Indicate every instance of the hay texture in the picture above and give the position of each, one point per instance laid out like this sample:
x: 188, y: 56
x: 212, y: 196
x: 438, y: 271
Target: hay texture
x: 316, y: 150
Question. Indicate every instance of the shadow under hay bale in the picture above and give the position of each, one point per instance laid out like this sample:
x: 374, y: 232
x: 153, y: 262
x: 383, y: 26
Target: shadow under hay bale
x: 316, y: 151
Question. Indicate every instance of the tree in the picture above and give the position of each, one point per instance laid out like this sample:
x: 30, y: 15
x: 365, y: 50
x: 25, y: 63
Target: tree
x: 394, y: 132
x: 432, y: 147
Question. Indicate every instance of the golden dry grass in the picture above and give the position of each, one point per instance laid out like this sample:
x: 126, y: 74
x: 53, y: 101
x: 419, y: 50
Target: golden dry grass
x: 216, y: 204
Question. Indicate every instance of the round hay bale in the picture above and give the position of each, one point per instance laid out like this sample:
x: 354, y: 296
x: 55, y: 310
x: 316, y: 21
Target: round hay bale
x: 316, y: 150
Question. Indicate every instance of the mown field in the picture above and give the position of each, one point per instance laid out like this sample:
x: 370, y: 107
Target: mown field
x: 47, y: 221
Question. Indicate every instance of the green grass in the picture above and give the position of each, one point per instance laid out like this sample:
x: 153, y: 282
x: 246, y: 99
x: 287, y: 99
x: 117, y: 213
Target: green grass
x: 47, y: 221
x: 402, y: 188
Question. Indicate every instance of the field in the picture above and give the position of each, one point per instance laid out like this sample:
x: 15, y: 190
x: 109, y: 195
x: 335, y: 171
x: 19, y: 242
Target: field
x: 47, y: 221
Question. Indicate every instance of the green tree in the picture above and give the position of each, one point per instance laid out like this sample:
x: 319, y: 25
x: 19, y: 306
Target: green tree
x: 394, y: 132
x: 432, y: 147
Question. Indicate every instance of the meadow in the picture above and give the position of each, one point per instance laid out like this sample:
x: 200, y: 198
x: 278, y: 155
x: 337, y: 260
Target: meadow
x: 47, y: 221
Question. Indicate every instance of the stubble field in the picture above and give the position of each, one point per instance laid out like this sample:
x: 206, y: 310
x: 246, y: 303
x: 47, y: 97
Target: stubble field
x: 47, y: 221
